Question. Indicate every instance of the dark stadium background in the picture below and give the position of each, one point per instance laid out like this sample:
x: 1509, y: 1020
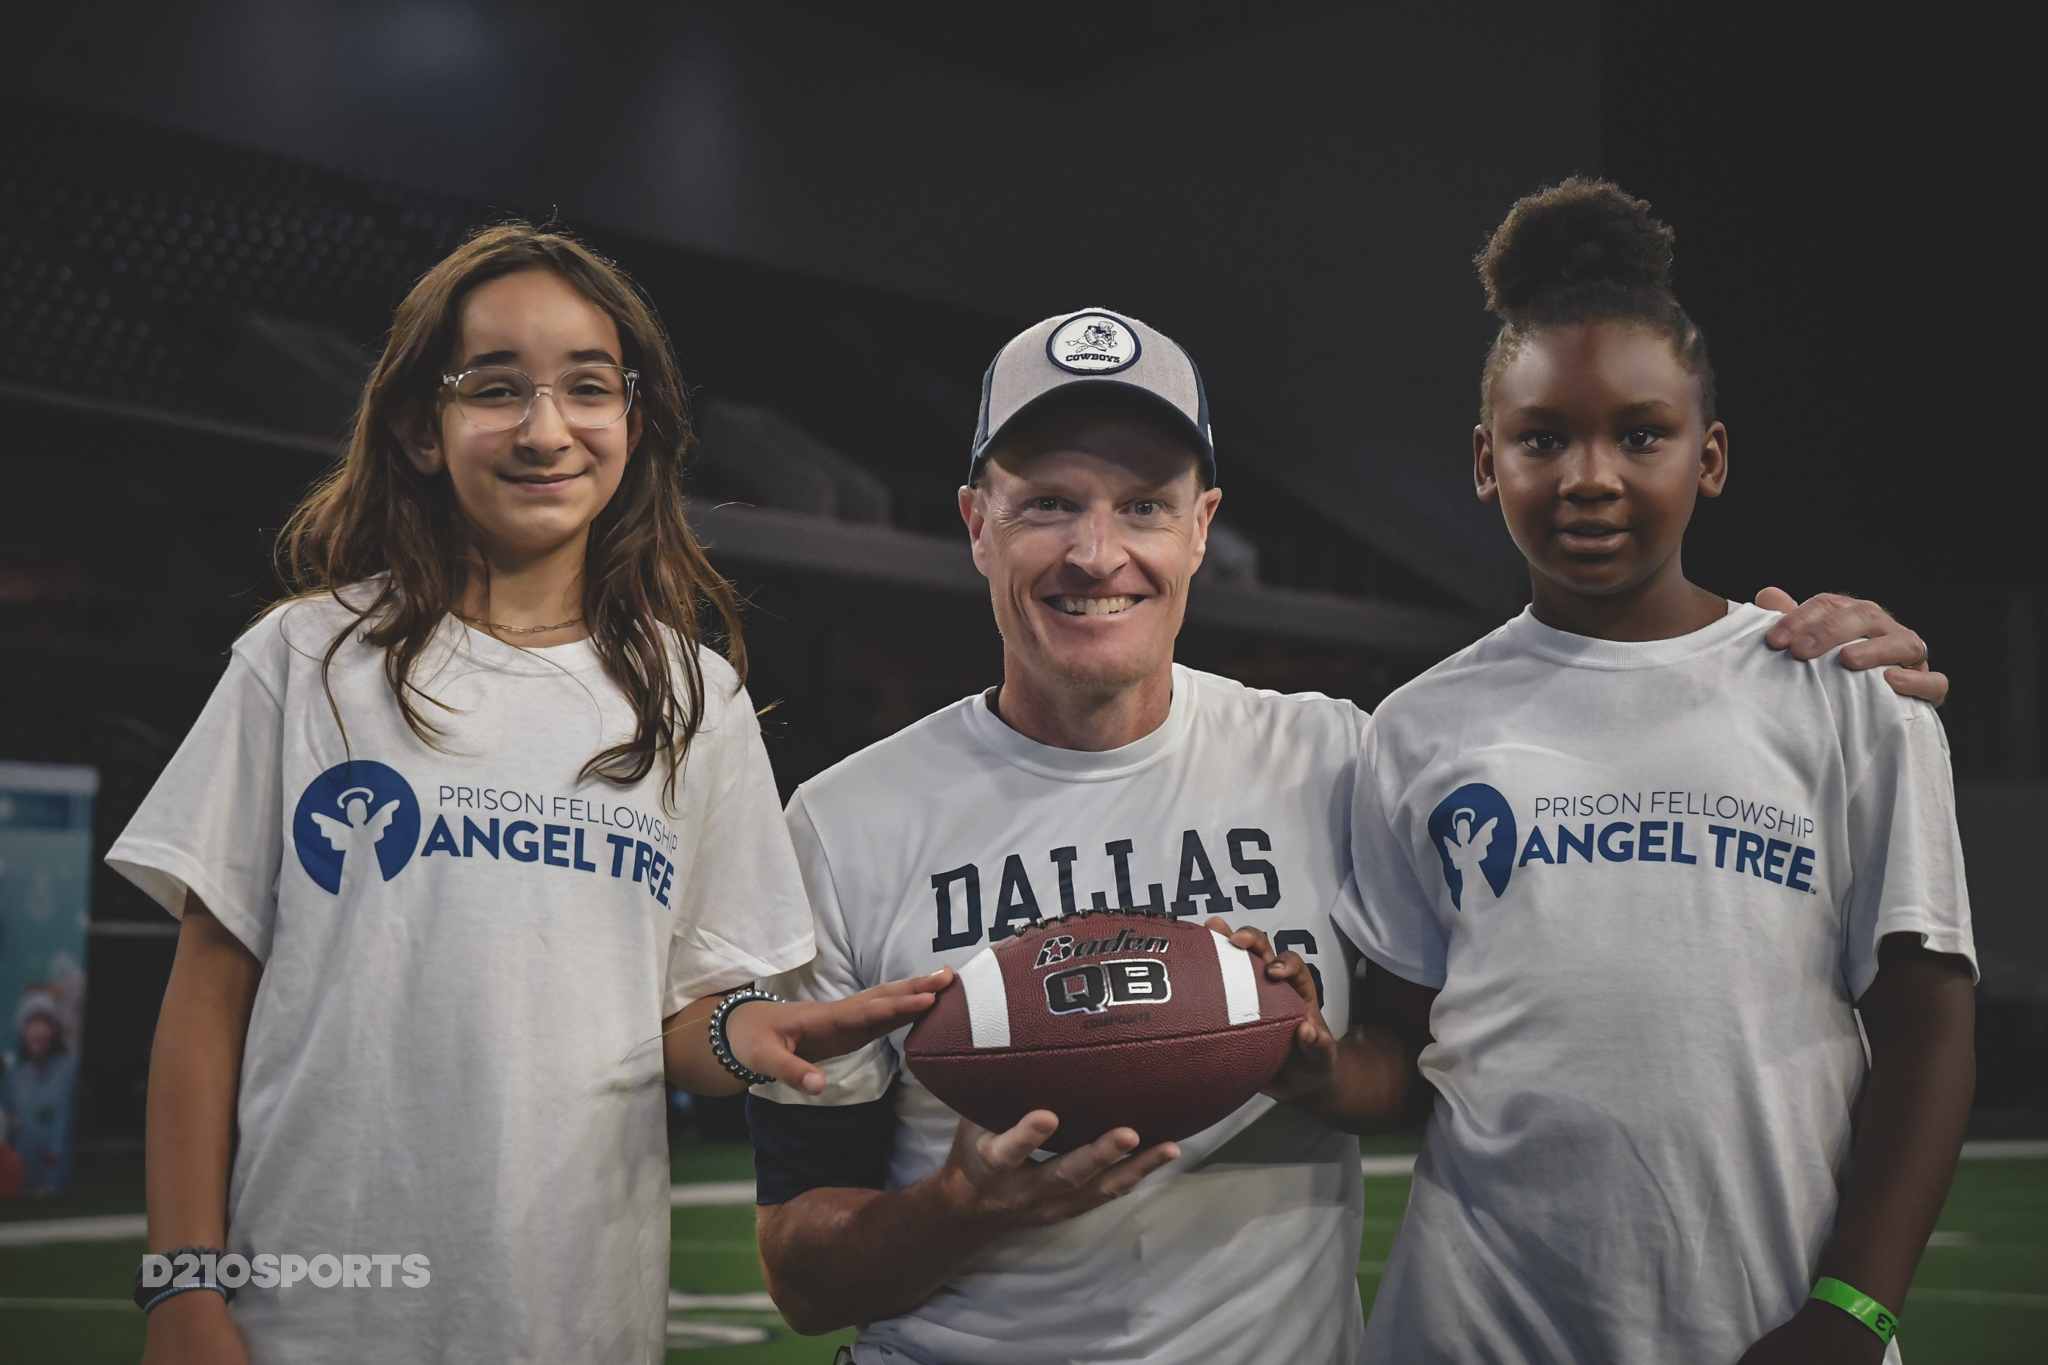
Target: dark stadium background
x: 1294, y: 188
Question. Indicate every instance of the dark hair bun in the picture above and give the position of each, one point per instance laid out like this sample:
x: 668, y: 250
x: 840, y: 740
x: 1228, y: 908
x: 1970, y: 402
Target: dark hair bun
x: 1581, y: 237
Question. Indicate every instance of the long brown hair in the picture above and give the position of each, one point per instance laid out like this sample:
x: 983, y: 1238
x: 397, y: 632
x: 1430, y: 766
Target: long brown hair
x: 376, y: 521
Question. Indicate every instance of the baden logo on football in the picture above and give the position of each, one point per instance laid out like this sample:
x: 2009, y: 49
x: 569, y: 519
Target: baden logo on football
x: 355, y: 816
x: 1474, y: 832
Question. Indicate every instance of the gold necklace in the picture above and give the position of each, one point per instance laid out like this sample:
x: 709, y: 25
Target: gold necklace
x: 520, y: 630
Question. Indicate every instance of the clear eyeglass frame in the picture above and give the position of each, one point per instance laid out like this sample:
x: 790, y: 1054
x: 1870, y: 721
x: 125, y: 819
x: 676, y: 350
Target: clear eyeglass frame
x: 452, y: 385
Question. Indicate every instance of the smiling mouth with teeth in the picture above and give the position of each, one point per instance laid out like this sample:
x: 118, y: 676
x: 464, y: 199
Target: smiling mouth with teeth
x: 1093, y: 606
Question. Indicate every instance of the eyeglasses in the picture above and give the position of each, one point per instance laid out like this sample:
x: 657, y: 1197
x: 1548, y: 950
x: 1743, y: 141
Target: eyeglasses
x: 499, y: 398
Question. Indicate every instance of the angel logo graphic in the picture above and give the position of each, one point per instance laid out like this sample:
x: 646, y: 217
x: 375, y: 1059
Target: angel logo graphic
x: 351, y: 815
x: 1474, y: 832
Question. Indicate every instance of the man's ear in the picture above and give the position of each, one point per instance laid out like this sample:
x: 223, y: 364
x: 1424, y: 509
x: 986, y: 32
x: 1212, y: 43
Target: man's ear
x: 1483, y: 481
x: 974, y: 511
x: 1714, y: 461
x: 420, y: 437
x: 1205, y: 512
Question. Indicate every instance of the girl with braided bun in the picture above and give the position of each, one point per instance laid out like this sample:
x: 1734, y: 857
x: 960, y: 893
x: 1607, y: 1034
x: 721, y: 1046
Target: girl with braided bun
x: 1640, y: 874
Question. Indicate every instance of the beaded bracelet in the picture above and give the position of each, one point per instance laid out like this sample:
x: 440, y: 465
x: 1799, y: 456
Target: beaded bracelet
x: 148, y: 1297
x: 722, y: 1049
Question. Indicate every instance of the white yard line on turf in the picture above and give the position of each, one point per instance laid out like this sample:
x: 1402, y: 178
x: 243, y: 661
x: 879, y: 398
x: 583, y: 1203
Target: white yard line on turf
x: 110, y: 1227
x: 689, y: 1303
x: 2022, y: 1149
x: 758, y: 1301
x: 720, y: 1193
x: 1988, y: 1298
x: 711, y: 1194
x: 694, y: 1334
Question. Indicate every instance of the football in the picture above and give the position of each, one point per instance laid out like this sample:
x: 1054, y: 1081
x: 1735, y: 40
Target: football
x: 1109, y: 1019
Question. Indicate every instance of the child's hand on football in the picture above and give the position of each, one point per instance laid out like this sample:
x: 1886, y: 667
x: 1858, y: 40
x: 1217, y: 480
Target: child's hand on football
x: 783, y: 1039
x: 1307, y: 1070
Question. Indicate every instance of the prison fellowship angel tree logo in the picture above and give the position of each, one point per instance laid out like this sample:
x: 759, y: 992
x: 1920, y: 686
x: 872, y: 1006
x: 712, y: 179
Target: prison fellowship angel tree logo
x: 354, y: 816
x: 1474, y: 832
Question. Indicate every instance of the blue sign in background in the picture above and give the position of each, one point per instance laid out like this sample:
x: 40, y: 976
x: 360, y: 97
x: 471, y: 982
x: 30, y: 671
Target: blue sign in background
x: 45, y: 874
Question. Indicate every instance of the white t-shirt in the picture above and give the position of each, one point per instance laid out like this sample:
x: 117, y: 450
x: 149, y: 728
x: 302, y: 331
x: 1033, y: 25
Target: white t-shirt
x: 920, y: 848
x: 467, y: 955
x: 1649, y: 879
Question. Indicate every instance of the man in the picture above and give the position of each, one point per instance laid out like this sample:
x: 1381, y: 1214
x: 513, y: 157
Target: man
x: 1099, y: 774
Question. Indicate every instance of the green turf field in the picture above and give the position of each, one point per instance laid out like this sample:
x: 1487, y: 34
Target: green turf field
x: 1981, y: 1295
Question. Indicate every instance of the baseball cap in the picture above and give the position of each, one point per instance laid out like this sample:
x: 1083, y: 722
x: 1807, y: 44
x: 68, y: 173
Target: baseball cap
x: 1092, y: 349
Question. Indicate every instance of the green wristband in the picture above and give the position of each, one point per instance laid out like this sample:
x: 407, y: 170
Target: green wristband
x: 1859, y: 1306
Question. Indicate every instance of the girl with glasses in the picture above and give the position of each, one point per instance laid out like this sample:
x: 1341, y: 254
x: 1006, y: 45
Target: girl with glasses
x: 468, y: 843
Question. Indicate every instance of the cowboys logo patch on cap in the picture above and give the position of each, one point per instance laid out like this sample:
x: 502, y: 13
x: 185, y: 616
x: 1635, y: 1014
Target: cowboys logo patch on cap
x: 1093, y: 349
x: 1092, y: 343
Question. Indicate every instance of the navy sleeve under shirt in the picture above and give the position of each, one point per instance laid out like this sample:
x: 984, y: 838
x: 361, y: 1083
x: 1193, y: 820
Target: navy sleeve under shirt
x: 800, y: 1147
